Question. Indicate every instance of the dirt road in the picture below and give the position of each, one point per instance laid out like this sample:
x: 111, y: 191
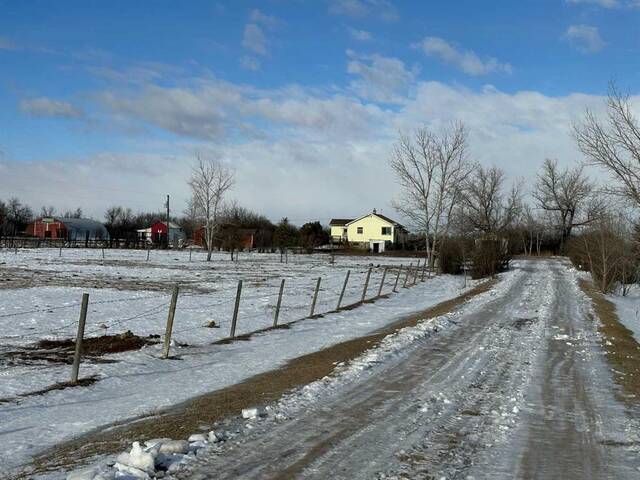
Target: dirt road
x: 518, y: 387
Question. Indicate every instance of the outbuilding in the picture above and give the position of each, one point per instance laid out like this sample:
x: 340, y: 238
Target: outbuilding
x: 71, y: 229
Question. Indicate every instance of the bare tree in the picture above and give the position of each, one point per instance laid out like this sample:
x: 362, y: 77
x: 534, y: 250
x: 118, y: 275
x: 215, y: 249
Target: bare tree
x: 210, y: 181
x: 485, y: 207
x: 431, y: 168
x: 614, y: 144
x: 47, y: 211
x: 566, y: 193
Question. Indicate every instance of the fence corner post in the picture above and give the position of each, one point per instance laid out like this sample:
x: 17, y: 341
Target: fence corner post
x: 236, y: 308
x: 79, y: 338
x: 170, y: 317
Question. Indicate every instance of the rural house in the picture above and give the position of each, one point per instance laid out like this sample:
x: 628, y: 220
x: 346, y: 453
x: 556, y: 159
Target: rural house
x: 373, y: 231
x: 72, y: 229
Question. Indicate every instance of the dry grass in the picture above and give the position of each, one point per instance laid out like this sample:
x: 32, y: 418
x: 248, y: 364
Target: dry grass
x: 622, y: 349
x: 188, y: 417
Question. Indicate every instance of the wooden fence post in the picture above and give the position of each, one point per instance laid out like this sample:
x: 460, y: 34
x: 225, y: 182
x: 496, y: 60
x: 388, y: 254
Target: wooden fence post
x: 277, y: 314
x: 415, y: 274
x: 315, y: 297
x: 60, y: 252
x: 234, y: 320
x: 424, y: 269
x: 190, y: 250
x: 395, y: 285
x: 81, y: 323
x: 170, y: 317
x: 384, y: 275
x: 406, y: 278
x: 366, y: 285
x: 103, y: 253
x: 147, y: 253
x: 344, y: 287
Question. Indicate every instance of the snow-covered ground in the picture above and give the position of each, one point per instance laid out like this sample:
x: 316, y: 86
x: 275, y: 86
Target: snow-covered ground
x: 511, y: 385
x: 139, y: 382
x: 628, y: 309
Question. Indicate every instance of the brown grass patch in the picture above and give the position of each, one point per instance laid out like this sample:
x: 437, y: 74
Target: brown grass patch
x: 188, y: 417
x: 622, y: 349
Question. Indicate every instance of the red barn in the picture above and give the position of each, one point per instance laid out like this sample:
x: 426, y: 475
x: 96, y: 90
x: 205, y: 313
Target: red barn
x: 159, y: 233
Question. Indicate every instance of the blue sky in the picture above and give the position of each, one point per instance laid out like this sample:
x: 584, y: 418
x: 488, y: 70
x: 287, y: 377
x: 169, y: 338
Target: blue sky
x: 107, y: 101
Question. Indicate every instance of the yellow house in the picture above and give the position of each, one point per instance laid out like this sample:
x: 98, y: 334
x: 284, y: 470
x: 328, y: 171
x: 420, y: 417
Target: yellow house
x: 372, y: 231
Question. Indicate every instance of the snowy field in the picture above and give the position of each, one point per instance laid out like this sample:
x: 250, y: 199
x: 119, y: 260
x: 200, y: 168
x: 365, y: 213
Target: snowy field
x: 40, y: 294
x: 628, y: 308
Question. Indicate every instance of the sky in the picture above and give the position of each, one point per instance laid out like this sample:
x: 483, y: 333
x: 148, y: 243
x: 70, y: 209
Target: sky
x: 108, y: 103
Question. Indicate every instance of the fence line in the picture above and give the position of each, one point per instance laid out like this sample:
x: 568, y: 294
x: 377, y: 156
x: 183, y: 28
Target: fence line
x: 320, y: 297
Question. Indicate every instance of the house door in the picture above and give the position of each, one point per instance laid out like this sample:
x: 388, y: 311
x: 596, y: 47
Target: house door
x: 376, y: 247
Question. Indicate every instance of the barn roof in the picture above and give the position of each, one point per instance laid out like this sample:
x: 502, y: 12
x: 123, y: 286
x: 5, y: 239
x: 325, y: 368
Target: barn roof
x: 83, y: 225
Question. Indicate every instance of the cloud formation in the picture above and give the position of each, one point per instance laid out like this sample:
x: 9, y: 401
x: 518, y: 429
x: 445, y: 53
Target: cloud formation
x: 254, y: 39
x: 466, y: 60
x: 381, y: 9
x: 47, y: 107
x: 360, y: 35
x: 584, y: 38
x: 380, y: 79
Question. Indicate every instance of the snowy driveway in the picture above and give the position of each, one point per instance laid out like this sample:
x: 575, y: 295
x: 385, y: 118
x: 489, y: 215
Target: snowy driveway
x: 515, y: 387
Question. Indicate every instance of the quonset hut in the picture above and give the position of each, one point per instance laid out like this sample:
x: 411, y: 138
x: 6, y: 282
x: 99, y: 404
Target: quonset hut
x: 72, y: 229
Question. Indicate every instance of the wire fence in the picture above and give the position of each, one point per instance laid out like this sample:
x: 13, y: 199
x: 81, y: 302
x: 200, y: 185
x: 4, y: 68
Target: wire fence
x: 238, y: 311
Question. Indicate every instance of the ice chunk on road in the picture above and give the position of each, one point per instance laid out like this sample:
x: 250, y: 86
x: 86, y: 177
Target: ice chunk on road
x: 174, y: 446
x: 138, y: 459
x: 253, y: 412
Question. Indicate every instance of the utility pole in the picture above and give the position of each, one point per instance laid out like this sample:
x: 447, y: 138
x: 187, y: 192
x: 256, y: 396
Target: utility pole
x: 168, y: 228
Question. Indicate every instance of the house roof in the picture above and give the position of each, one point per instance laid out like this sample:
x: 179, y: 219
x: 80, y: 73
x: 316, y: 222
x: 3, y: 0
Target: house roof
x: 339, y: 222
x: 386, y: 219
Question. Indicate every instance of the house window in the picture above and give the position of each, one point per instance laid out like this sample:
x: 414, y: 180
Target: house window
x: 386, y: 230
x: 360, y: 230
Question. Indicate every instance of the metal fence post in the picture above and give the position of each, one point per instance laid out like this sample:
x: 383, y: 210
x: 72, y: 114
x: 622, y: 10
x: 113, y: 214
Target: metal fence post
x: 170, y: 317
x: 384, y: 275
x: 277, y: 314
x: 81, y: 323
x: 344, y: 287
x: 234, y: 320
x: 315, y: 297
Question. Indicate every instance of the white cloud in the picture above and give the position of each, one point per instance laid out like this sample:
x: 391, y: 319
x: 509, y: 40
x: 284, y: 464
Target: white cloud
x: 382, y: 9
x: 46, y: 107
x: 254, y: 39
x: 249, y: 63
x: 360, y: 35
x: 599, y: 3
x: 467, y: 60
x: 585, y: 38
x: 381, y: 79
x: 269, y: 21
x: 322, y: 143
